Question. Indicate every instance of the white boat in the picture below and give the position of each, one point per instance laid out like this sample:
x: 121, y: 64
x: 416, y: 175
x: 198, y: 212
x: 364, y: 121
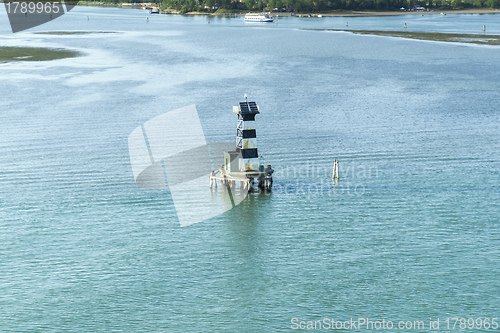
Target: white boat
x: 254, y: 17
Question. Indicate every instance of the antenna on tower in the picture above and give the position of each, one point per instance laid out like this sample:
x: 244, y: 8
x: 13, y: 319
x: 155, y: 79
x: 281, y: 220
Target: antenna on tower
x: 246, y: 97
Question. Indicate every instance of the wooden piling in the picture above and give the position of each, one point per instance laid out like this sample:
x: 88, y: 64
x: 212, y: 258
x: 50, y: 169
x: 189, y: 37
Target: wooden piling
x: 335, y: 174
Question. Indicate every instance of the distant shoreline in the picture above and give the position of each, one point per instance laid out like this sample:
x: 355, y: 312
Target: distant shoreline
x: 346, y: 13
x: 352, y: 13
x: 393, y: 13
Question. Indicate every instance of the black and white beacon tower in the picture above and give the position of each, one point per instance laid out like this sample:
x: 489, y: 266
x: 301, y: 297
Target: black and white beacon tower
x: 246, y: 135
x: 242, y: 164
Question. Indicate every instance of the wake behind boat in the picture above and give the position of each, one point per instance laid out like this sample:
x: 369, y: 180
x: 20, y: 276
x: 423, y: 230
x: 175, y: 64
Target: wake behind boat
x: 254, y: 17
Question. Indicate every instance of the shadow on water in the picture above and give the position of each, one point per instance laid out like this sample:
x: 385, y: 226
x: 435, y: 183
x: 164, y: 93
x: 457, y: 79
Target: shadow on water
x: 246, y: 242
x: 250, y: 212
x: 245, y: 228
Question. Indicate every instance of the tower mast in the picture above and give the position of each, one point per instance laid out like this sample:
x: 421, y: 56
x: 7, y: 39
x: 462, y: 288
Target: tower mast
x: 246, y: 135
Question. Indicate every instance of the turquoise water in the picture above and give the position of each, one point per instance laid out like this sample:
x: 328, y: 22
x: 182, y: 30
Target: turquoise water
x: 409, y: 233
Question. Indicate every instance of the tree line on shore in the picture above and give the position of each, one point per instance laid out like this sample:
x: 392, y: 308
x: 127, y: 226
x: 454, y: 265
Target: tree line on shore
x: 209, y: 6
x: 184, y: 6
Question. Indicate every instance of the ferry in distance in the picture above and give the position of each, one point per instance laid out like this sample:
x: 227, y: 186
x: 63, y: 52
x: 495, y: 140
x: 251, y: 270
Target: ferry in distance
x: 253, y: 17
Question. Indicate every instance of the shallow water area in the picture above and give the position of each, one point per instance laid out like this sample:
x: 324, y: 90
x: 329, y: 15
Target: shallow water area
x: 410, y: 231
